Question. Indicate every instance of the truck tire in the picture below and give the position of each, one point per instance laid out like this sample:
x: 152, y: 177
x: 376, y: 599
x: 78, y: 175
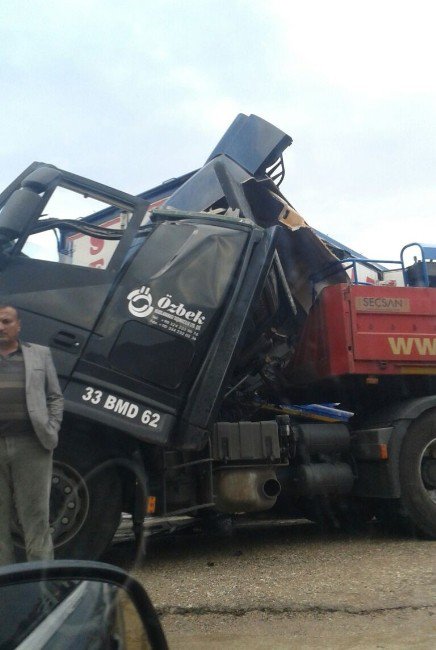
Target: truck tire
x: 86, y: 499
x: 418, y: 473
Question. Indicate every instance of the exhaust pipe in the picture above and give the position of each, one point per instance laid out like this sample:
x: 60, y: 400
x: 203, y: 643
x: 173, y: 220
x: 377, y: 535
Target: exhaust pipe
x: 245, y: 490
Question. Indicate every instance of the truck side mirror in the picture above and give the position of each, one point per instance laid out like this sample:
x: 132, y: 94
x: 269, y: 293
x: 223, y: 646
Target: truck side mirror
x: 42, y: 179
x: 18, y: 213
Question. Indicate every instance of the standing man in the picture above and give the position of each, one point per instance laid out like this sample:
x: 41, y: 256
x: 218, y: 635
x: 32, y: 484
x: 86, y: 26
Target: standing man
x: 31, y: 406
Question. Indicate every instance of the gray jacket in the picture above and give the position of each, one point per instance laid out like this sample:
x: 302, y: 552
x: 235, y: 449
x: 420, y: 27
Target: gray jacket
x: 43, y: 394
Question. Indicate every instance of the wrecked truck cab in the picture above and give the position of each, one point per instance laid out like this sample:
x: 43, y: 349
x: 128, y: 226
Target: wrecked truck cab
x: 160, y: 306
x: 175, y: 319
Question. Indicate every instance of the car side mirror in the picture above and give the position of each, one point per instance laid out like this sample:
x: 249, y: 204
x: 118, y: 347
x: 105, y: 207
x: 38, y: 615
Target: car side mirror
x: 74, y: 604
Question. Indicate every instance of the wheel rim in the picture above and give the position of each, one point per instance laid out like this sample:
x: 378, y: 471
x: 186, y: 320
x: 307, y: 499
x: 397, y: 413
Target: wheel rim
x: 428, y: 469
x: 69, y: 505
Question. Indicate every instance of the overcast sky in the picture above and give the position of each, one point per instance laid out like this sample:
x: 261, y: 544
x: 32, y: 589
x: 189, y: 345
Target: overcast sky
x: 133, y: 93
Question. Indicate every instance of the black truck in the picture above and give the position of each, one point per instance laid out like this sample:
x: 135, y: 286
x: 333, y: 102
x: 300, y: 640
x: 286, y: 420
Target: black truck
x: 182, y: 326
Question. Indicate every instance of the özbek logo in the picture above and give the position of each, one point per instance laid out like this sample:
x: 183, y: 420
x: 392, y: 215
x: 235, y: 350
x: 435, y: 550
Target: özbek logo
x: 140, y: 302
x: 141, y: 306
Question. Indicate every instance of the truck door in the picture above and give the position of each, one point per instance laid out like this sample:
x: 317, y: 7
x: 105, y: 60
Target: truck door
x: 56, y: 269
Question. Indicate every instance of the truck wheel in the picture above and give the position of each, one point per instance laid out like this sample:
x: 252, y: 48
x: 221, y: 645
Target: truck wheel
x: 418, y: 473
x: 85, y: 503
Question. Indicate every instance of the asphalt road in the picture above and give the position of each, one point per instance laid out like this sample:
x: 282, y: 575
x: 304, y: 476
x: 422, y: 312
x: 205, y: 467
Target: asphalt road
x: 290, y: 586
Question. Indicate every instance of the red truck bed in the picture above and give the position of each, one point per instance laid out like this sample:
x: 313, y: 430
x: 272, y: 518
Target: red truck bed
x: 368, y: 330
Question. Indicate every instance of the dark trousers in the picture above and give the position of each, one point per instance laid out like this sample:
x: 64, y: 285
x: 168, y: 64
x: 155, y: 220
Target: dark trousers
x: 25, y: 482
